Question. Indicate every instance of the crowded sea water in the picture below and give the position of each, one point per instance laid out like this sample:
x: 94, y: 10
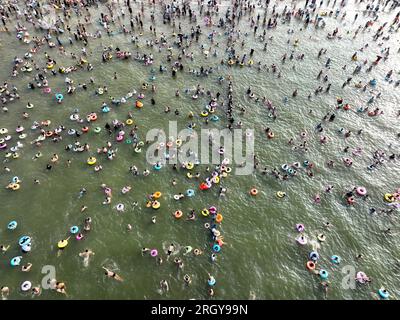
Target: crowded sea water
x: 199, y: 149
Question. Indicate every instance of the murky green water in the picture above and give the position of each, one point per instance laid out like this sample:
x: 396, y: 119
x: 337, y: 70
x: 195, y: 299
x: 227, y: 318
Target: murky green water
x: 261, y: 255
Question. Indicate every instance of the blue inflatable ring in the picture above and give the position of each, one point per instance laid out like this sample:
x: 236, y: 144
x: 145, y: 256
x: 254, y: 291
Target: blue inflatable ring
x: 12, y: 225
x: 24, y: 240
x: 15, y: 261
x: 314, y: 255
x: 211, y: 282
x: 74, y: 229
x: 323, y: 274
x: 383, y: 294
x: 216, y: 248
x: 335, y: 259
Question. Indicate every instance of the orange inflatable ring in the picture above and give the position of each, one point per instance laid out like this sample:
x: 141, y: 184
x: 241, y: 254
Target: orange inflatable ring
x: 157, y: 194
x: 93, y: 117
x: 49, y: 133
x: 85, y: 129
x: 271, y: 135
x: 178, y: 214
x: 139, y: 104
x: 310, y: 265
x: 254, y: 192
x: 219, y: 218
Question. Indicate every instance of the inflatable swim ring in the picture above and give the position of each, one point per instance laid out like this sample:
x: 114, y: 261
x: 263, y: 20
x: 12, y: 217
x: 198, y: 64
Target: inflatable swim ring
x: 219, y: 218
x: 178, y: 214
x: 91, y: 161
x: 12, y: 225
x: 281, y: 194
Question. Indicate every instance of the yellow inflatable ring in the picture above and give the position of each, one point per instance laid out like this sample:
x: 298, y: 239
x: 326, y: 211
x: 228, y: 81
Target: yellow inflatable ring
x: 190, y: 166
x: 91, y: 161
x: 205, y: 212
x: 155, y: 205
x: 280, y: 194
x: 204, y: 114
x: 389, y: 197
x: 129, y: 122
x: 62, y: 244
x: 178, y: 142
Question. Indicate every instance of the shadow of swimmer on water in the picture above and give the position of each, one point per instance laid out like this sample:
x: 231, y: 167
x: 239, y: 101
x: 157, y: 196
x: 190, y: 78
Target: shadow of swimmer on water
x: 183, y: 148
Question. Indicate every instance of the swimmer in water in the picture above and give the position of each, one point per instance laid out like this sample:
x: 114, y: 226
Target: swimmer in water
x: 327, y: 225
x: 27, y: 267
x: 36, y: 291
x: 170, y: 250
x: 112, y: 274
x: 86, y: 255
x: 325, y: 286
x: 153, y: 219
x: 187, y: 279
x: 145, y: 250
x: 197, y: 252
x: 60, y: 287
x: 164, y: 285
x: 4, y: 248
x: 5, y: 291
